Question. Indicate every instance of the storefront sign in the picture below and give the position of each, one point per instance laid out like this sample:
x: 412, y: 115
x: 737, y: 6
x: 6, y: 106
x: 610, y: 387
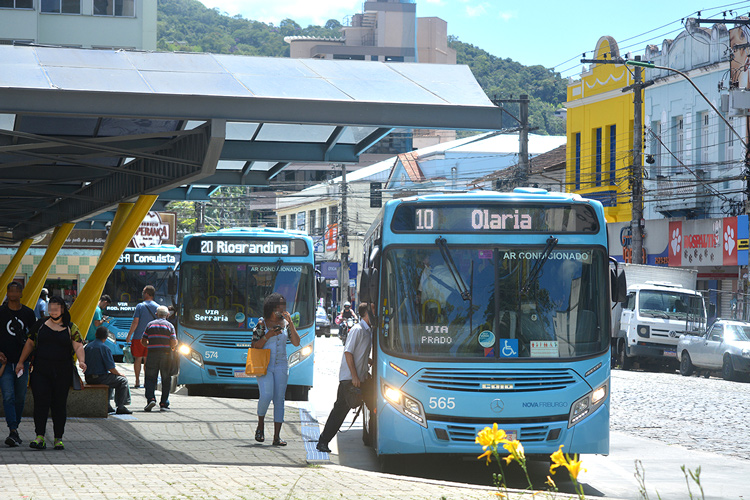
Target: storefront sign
x: 157, y: 228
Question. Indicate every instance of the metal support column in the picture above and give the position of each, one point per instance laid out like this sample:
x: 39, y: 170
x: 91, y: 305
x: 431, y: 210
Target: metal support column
x: 13, y: 266
x: 36, y: 282
x: 82, y: 311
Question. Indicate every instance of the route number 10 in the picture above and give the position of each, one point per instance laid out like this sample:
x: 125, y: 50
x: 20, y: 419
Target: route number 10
x: 425, y: 219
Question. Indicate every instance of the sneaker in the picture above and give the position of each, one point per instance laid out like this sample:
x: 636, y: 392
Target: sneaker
x: 110, y: 409
x: 13, y: 439
x: 323, y: 447
x: 123, y: 411
x: 150, y: 406
x: 59, y: 444
x: 38, y: 443
x: 163, y: 407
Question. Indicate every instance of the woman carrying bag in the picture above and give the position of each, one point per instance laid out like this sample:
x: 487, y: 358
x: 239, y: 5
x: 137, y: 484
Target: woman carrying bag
x: 272, y: 332
x: 53, y: 341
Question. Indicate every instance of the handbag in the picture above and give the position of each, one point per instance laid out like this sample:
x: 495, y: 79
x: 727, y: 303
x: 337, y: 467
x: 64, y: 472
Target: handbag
x: 257, y: 362
x: 76, y: 383
x: 127, y: 355
x: 353, y: 396
x: 174, y: 367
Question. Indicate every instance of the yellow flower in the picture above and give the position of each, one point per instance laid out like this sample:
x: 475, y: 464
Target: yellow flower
x: 558, y: 460
x: 490, y: 436
x: 515, y: 448
x: 508, y: 459
x: 487, y: 454
x: 551, y: 482
x: 574, y: 467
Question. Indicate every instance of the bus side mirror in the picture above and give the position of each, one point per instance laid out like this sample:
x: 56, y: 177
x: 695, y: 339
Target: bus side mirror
x: 372, y: 285
x: 619, y: 286
x: 172, y: 285
x: 364, y: 286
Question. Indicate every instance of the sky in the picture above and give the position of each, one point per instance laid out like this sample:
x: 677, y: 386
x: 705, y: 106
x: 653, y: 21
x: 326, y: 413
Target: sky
x: 551, y: 33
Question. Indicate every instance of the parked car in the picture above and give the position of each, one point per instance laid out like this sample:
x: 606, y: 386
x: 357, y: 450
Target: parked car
x: 322, y: 323
x: 725, y: 347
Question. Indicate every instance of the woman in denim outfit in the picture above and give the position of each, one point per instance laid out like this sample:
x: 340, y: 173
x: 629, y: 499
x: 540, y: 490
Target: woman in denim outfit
x: 272, y: 332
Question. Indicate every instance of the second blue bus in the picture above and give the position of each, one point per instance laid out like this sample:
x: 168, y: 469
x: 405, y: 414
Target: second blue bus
x: 224, y: 278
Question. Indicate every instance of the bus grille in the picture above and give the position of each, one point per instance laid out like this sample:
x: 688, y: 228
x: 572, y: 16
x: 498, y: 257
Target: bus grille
x: 222, y: 341
x: 511, y: 381
x: 468, y: 433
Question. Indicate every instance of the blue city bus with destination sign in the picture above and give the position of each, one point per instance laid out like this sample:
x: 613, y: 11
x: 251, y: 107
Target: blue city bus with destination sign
x: 489, y: 308
x: 136, y: 268
x: 224, y: 278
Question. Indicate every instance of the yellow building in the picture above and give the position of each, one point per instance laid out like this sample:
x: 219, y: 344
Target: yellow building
x: 600, y: 133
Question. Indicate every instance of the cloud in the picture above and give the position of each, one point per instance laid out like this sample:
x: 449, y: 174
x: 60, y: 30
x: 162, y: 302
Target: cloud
x: 303, y: 11
x: 477, y: 10
x: 507, y: 15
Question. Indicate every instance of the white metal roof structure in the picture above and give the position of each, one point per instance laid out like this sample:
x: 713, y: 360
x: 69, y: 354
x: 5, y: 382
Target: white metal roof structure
x: 81, y: 130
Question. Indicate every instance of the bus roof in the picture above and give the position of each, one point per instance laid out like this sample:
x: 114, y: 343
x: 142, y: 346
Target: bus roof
x: 254, y: 231
x: 154, y: 248
x: 518, y: 194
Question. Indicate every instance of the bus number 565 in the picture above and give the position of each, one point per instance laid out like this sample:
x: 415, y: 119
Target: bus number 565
x: 442, y: 403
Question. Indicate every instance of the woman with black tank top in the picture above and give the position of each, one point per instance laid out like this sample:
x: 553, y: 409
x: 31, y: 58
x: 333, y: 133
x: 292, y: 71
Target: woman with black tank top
x: 52, y: 340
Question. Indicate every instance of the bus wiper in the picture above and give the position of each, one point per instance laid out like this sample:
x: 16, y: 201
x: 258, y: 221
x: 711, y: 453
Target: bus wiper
x: 442, y: 245
x: 551, y: 244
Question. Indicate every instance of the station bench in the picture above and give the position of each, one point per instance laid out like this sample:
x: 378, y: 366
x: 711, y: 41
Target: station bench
x: 92, y: 401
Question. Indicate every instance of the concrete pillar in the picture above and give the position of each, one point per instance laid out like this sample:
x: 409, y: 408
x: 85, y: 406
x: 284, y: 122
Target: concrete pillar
x: 36, y: 282
x: 10, y: 271
x: 83, y: 309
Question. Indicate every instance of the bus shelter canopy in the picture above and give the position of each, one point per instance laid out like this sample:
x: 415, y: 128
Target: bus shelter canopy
x: 82, y: 130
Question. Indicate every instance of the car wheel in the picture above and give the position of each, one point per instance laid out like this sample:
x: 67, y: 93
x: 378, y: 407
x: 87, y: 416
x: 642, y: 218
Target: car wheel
x: 686, y: 365
x: 625, y: 362
x: 727, y: 370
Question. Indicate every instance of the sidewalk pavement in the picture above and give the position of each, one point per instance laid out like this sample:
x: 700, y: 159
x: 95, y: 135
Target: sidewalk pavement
x: 203, y: 448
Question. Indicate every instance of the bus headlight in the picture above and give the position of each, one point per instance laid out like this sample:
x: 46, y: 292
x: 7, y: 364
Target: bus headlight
x: 297, y: 356
x: 190, y: 354
x: 111, y: 336
x: 586, y: 405
x: 406, y: 405
x: 184, y: 349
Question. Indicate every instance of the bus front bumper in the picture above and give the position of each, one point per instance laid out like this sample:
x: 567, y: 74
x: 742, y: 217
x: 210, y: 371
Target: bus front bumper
x: 398, y: 434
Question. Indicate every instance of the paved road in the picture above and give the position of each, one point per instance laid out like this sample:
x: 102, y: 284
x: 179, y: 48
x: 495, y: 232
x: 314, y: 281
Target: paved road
x: 665, y: 420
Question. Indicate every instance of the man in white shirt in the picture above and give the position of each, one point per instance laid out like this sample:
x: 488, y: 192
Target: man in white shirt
x: 354, y: 369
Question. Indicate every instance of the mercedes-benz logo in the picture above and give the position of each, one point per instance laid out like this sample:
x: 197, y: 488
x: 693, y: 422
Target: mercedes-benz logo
x: 497, y: 405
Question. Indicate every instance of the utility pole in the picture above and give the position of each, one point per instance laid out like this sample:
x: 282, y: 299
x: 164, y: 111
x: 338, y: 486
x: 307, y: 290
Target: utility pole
x: 523, y: 140
x: 636, y: 172
x: 343, y: 242
x: 523, y: 133
x: 200, y: 211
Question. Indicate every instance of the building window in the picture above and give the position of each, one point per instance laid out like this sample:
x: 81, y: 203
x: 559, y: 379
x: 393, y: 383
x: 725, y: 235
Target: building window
x: 334, y: 214
x: 578, y: 160
x: 116, y: 8
x: 282, y: 222
x: 312, y: 223
x: 598, y: 156
x: 292, y: 221
x: 612, y: 155
x: 16, y: 4
x: 323, y: 218
x: 61, y: 6
x: 704, y: 140
x: 678, y: 146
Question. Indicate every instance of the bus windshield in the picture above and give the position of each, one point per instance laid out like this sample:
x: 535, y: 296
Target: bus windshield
x: 229, y: 296
x: 521, y: 303
x: 125, y: 287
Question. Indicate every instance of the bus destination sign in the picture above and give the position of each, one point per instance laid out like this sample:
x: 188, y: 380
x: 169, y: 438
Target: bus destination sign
x: 246, y: 247
x: 490, y: 218
x: 148, y: 259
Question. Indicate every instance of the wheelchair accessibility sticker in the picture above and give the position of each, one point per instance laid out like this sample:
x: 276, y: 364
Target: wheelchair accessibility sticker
x: 508, y: 348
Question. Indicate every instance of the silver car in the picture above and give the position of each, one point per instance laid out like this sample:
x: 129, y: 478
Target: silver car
x: 725, y: 347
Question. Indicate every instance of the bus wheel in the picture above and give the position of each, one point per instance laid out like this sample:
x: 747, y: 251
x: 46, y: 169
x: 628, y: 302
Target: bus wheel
x: 624, y: 361
x: 300, y: 393
x: 368, y: 428
x: 195, y: 390
x: 117, y: 359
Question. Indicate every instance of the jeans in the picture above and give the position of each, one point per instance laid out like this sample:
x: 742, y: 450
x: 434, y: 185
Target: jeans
x: 338, y: 414
x: 158, y: 361
x: 272, y: 386
x: 116, y: 382
x: 14, y: 393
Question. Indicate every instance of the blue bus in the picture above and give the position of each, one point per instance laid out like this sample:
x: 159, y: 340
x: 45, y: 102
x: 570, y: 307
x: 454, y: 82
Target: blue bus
x: 224, y: 278
x: 489, y: 308
x: 136, y: 268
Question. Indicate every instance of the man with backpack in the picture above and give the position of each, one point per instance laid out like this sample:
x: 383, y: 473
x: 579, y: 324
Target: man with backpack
x: 145, y: 312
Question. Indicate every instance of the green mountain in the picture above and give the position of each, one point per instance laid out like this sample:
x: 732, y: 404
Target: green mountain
x: 189, y: 26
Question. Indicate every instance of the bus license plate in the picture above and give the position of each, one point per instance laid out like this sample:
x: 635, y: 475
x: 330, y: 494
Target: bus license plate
x: 510, y: 435
x: 670, y: 354
x: 240, y: 374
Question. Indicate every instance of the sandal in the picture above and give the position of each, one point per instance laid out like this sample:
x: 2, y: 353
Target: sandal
x: 278, y: 442
x: 259, y: 435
